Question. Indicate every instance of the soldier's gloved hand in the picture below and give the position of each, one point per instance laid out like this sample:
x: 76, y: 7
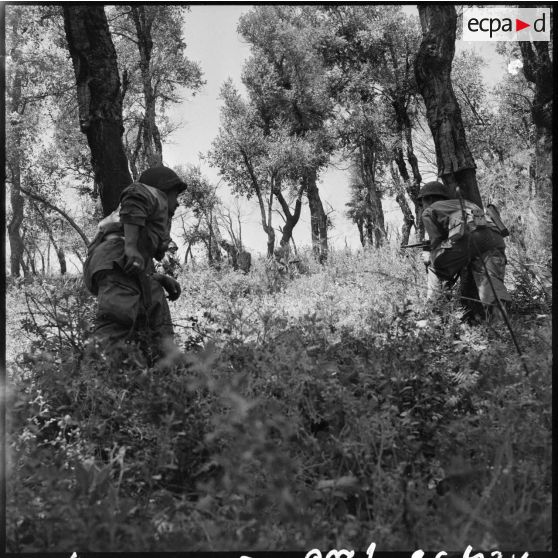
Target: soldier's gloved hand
x: 426, y: 259
x: 134, y: 260
x: 172, y: 286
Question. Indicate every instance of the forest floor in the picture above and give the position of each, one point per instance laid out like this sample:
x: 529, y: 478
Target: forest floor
x: 325, y: 409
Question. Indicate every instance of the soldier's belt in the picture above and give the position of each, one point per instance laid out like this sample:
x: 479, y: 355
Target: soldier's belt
x: 111, y: 236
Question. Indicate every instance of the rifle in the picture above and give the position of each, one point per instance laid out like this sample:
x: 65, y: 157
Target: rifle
x: 425, y: 244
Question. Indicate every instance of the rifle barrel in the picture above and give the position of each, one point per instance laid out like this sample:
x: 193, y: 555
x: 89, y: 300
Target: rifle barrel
x: 420, y: 244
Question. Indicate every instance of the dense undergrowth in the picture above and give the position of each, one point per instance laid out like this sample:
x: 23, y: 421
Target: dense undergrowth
x: 328, y: 409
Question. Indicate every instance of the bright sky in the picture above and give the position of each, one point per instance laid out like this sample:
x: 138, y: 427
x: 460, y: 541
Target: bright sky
x: 210, y: 33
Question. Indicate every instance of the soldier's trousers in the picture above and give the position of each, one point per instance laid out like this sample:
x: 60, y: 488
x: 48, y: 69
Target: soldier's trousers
x: 126, y: 311
x: 494, y: 266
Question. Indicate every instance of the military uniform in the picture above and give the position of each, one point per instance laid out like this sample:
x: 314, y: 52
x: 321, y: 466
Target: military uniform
x: 454, y: 244
x: 170, y: 265
x: 130, y: 304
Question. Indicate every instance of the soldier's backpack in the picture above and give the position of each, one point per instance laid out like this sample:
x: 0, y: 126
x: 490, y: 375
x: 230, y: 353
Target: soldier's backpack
x: 475, y: 218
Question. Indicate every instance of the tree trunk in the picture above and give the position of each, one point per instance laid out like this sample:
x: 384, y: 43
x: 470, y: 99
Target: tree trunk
x: 212, y: 244
x: 151, y: 151
x: 266, y: 220
x: 188, y: 252
x: 318, y: 218
x: 360, y: 227
x: 57, y: 248
x: 216, y: 238
x: 408, y: 219
x: 538, y: 69
x: 43, y: 268
x: 16, y: 243
x: 413, y: 188
x: 456, y: 166
x: 14, y: 164
x: 270, y: 230
x: 30, y: 260
x: 374, y: 220
x: 291, y: 219
x: 79, y: 256
x: 99, y: 98
x: 404, y: 135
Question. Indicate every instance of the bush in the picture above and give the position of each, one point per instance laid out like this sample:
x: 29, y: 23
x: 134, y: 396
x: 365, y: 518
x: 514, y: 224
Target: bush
x: 331, y: 411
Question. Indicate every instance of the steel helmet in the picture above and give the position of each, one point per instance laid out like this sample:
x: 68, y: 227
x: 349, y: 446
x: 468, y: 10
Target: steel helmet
x: 434, y: 188
x: 163, y: 179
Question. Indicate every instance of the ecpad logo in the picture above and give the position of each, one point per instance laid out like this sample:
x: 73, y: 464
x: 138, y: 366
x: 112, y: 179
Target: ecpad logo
x: 502, y: 23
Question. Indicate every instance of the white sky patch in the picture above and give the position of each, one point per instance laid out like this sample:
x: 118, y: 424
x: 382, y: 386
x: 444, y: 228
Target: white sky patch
x: 514, y: 66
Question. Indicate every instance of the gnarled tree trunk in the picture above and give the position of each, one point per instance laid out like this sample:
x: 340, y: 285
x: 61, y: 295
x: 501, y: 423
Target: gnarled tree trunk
x: 456, y: 166
x: 537, y: 67
x: 404, y: 135
x: 291, y: 219
x: 60, y: 254
x: 374, y: 214
x: 318, y: 218
x: 14, y: 236
x: 16, y: 106
x: 99, y: 97
x: 408, y: 219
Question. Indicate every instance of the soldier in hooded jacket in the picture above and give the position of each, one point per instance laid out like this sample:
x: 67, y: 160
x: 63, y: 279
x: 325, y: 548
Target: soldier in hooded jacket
x: 119, y: 268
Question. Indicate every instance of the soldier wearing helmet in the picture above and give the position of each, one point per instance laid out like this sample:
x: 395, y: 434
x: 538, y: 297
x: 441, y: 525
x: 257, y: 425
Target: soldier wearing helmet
x: 461, y: 233
x: 170, y: 264
x: 119, y: 268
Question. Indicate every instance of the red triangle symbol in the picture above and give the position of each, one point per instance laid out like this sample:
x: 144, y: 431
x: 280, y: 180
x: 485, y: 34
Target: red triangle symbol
x: 519, y: 25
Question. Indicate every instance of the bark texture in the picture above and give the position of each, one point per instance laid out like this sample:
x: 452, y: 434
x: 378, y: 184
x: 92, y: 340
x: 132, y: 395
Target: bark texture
x: 374, y: 225
x: 318, y: 218
x: 405, y: 139
x: 408, y: 219
x: 14, y: 236
x: 16, y: 106
x: 456, y: 166
x: 99, y: 98
x: 538, y: 69
x: 291, y: 218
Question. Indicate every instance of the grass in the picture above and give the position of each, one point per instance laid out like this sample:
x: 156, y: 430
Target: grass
x: 328, y: 409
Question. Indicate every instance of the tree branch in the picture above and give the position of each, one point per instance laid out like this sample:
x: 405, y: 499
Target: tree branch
x: 50, y: 205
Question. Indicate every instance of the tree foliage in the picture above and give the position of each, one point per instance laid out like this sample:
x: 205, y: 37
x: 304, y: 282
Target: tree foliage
x: 287, y: 83
x: 40, y: 89
x: 156, y: 74
x: 258, y: 160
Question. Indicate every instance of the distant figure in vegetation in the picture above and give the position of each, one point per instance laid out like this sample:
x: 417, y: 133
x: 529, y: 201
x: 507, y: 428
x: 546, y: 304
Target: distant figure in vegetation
x: 460, y: 232
x: 244, y: 261
x: 283, y: 261
x: 239, y: 259
x: 170, y: 264
x: 119, y: 268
